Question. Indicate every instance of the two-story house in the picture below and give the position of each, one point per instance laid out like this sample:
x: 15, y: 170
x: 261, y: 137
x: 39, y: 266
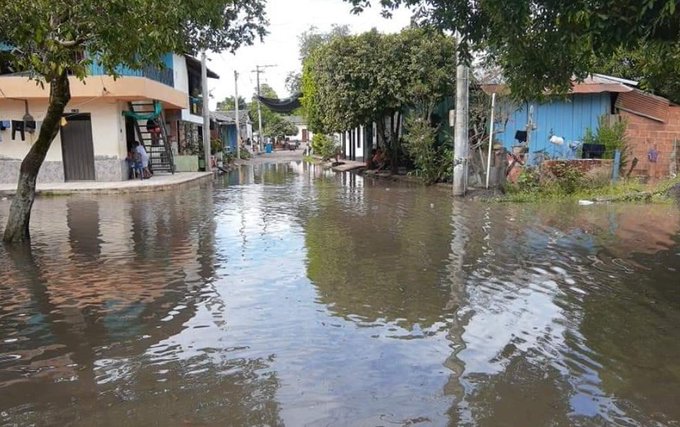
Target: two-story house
x: 96, y: 135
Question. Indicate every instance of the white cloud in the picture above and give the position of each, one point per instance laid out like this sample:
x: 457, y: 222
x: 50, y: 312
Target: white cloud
x: 289, y: 18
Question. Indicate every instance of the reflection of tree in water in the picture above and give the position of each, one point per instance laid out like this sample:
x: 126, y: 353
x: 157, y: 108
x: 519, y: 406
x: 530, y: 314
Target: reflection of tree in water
x: 385, y: 261
x: 85, y: 319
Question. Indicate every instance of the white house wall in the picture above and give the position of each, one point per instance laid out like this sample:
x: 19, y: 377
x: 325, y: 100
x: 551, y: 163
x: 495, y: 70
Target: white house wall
x: 181, y: 77
x: 108, y: 136
x: 179, y: 64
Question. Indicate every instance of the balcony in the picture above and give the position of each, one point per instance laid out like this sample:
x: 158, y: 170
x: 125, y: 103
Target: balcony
x: 165, y: 75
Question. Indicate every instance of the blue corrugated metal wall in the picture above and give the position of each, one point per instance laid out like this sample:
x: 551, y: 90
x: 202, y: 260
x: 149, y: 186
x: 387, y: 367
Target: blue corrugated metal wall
x: 231, y: 136
x: 568, y: 118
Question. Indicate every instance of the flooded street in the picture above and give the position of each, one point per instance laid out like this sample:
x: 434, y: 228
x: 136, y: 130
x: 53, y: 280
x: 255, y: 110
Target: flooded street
x: 285, y: 295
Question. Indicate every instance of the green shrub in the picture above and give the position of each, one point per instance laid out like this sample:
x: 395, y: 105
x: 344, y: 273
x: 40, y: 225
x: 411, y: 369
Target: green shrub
x: 324, y: 146
x: 433, y: 163
x: 612, y: 136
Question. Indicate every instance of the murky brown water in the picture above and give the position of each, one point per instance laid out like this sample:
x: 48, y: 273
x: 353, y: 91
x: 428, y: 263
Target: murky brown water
x: 286, y: 296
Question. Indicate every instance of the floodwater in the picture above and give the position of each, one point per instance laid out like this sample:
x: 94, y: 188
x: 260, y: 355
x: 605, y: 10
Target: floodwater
x: 285, y: 295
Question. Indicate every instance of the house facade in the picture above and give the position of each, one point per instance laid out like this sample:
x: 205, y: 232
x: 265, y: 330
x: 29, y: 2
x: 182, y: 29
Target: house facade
x: 653, y: 124
x: 95, y: 136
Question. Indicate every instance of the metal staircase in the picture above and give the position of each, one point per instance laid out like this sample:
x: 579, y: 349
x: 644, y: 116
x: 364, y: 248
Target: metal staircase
x: 159, y: 148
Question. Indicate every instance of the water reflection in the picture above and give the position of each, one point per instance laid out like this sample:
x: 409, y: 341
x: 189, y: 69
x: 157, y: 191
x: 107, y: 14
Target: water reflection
x: 288, y: 294
x: 546, y: 334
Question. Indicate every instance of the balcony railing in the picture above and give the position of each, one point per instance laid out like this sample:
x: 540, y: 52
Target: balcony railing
x: 165, y: 75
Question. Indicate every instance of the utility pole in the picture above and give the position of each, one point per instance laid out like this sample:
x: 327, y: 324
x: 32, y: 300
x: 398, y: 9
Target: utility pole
x: 461, y: 148
x: 206, y: 113
x: 258, y: 70
x: 238, y: 121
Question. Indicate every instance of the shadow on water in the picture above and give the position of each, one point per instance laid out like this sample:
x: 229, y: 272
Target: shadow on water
x: 288, y: 294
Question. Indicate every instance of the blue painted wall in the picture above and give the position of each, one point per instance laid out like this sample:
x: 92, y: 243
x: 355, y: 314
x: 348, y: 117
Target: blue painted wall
x: 568, y: 118
x: 231, y: 136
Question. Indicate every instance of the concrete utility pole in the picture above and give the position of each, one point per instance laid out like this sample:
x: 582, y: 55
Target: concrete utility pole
x: 206, y: 113
x: 258, y: 70
x: 238, y: 121
x: 461, y: 148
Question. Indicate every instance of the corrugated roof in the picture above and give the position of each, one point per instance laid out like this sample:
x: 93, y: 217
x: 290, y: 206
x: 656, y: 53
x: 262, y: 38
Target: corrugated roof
x: 595, y: 83
x: 230, y: 116
x: 644, y: 104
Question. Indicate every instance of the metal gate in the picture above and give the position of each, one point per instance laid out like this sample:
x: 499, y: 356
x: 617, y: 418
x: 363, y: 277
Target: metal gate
x: 77, y: 148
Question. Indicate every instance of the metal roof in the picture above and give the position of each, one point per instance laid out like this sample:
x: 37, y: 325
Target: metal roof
x: 595, y: 83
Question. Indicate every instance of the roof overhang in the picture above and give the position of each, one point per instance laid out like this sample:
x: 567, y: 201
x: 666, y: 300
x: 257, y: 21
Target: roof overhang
x: 105, y: 87
x: 194, y: 65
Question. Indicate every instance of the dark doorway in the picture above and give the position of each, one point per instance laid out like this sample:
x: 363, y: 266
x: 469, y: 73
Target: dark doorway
x: 77, y: 148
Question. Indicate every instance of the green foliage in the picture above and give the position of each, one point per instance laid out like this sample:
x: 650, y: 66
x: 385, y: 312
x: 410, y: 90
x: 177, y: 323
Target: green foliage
x: 49, y: 36
x: 245, y: 154
x: 324, y: 146
x: 354, y: 80
x: 420, y: 142
x: 215, y: 146
x: 228, y: 104
x: 542, y: 44
x: 655, y: 65
x: 278, y: 127
x: 311, y: 39
x: 613, y: 136
x: 559, y: 179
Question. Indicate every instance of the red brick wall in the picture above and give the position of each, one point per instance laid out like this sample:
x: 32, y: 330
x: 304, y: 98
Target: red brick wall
x: 645, y: 134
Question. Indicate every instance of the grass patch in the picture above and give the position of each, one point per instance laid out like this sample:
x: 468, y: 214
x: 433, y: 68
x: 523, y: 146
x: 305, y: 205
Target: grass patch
x: 573, y: 185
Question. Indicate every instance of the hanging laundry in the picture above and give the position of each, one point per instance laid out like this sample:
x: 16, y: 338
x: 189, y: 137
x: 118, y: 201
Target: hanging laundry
x: 30, y: 126
x: 4, y: 124
x: 18, y: 126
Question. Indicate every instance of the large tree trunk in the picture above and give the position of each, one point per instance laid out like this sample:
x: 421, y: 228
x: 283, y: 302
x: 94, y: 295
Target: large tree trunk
x: 20, y: 211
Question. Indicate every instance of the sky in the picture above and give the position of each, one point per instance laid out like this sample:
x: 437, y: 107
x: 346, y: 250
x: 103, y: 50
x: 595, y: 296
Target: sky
x: 287, y: 19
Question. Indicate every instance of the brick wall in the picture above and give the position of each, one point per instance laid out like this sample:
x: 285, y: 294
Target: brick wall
x: 645, y: 134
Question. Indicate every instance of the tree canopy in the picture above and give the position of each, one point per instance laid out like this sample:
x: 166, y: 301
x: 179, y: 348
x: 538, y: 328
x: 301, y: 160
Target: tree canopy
x: 363, y: 79
x: 542, y: 44
x: 46, y: 34
x: 228, y: 104
x: 655, y: 65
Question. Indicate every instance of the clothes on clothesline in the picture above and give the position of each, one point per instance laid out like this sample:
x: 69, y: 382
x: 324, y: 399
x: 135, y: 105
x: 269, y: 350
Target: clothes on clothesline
x: 18, y: 126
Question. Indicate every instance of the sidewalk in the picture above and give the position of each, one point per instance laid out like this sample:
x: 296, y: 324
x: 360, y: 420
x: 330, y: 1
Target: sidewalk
x: 157, y: 183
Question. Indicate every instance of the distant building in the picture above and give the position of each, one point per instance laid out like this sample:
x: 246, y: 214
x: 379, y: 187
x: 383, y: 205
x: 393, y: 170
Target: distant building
x: 223, y: 126
x: 303, y: 134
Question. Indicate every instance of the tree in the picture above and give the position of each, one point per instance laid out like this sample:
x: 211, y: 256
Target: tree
x: 49, y: 38
x: 293, y: 82
x: 228, y: 104
x: 372, y: 78
x: 542, y: 44
x: 279, y: 128
x: 655, y: 65
x: 312, y: 39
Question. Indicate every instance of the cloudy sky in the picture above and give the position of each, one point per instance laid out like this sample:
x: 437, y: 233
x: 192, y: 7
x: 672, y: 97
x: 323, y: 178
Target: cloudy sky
x: 289, y: 18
